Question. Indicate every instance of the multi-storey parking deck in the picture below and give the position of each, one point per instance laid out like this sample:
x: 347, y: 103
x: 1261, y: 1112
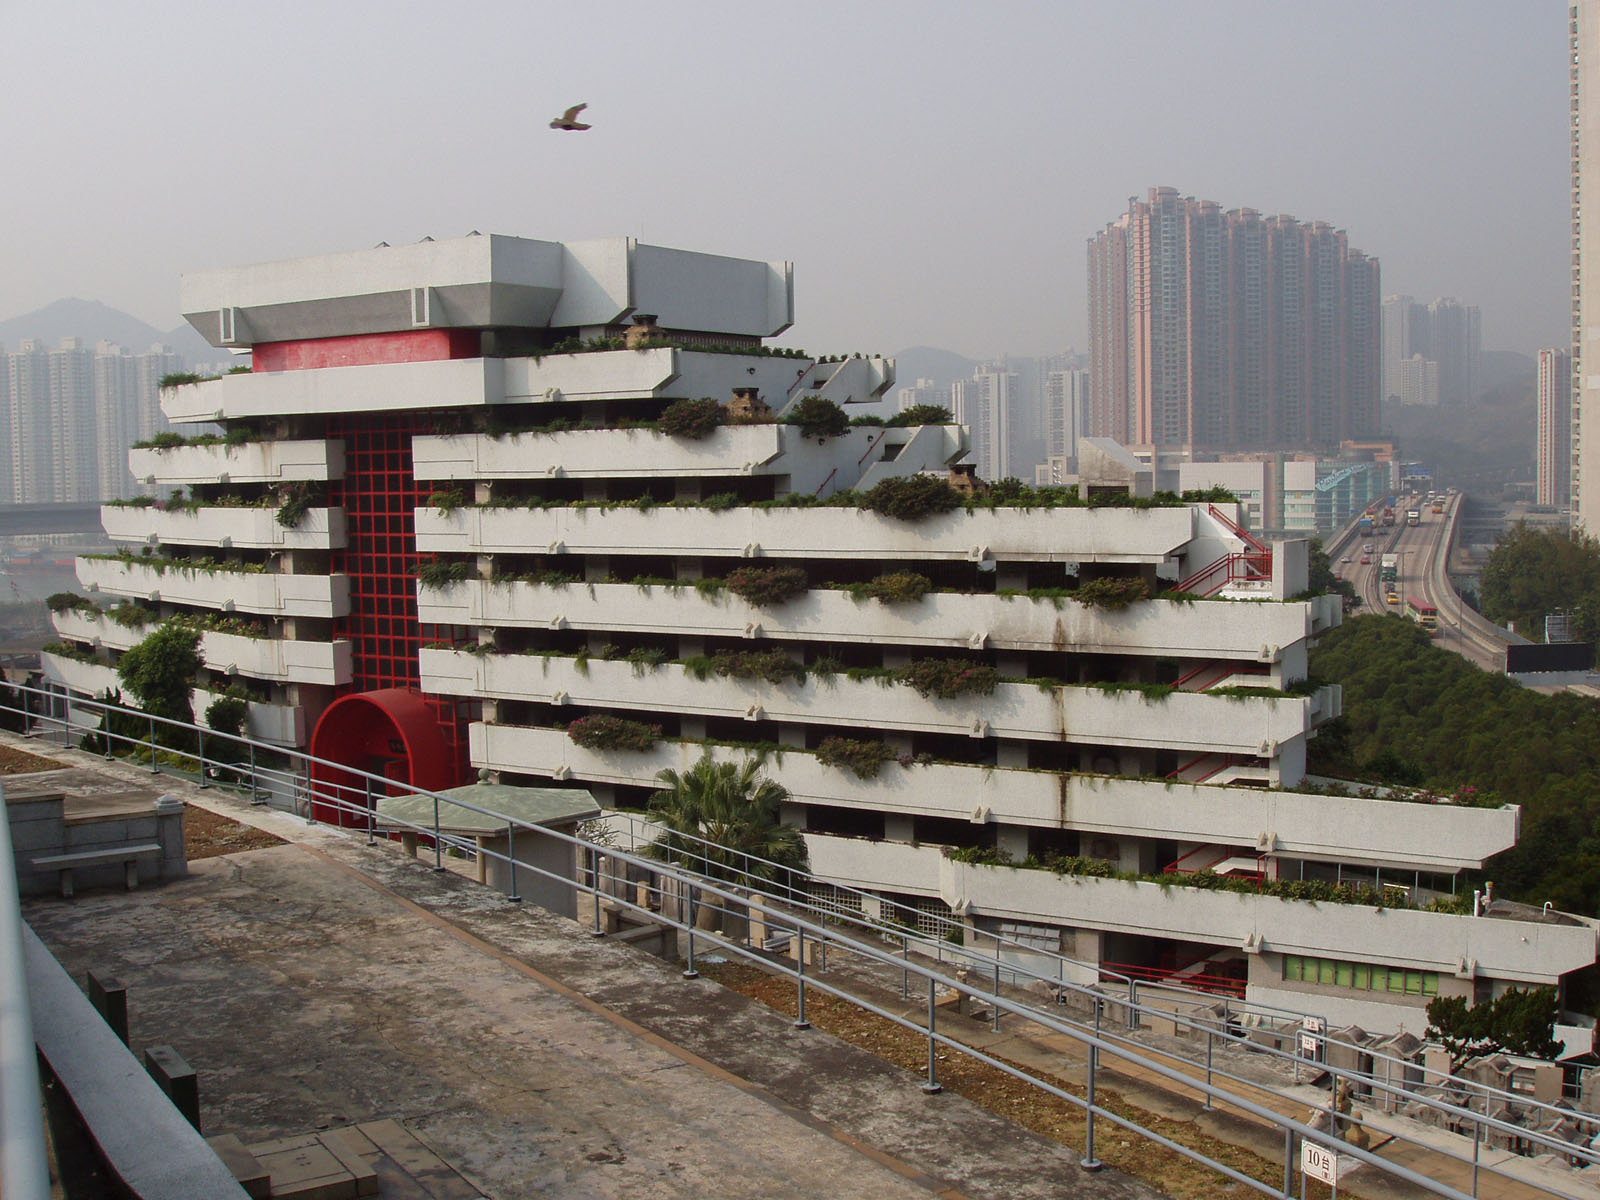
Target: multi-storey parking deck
x: 457, y: 505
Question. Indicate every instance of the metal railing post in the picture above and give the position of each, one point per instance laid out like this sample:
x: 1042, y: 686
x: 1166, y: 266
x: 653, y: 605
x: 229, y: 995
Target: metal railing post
x: 905, y: 968
x: 255, y: 783
x: 155, y: 767
x: 994, y: 1024
x: 688, y: 967
x: 1288, y: 1164
x: 800, y: 1021
x: 200, y: 740
x: 372, y: 812
x: 594, y: 879
x: 511, y: 860
x: 932, y: 1086
x: 1210, y: 1037
x: 1477, y: 1132
x: 1089, y: 1162
x: 438, y: 846
x: 311, y: 804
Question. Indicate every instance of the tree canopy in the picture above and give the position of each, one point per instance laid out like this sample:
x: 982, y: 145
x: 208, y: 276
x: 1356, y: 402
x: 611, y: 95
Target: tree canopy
x: 1418, y: 714
x: 1534, y: 572
x: 160, y: 671
x: 736, y: 810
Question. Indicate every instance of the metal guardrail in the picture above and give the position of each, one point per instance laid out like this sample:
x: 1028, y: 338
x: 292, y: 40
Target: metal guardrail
x: 24, y: 1159
x: 803, y: 920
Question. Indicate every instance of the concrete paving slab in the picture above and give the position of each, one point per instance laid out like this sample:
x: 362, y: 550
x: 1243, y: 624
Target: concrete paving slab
x: 330, y: 984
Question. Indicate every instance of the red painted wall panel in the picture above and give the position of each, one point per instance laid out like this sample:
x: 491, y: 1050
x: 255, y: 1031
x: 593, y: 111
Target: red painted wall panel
x: 410, y: 345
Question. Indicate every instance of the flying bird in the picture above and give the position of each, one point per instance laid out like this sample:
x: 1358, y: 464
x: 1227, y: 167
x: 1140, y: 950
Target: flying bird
x: 569, y: 119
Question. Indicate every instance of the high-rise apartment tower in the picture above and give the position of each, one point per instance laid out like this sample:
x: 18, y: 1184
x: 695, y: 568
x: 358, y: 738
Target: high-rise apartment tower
x: 1230, y: 330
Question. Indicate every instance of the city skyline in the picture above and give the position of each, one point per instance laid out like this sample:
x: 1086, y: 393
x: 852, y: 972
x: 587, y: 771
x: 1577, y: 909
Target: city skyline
x: 705, y: 137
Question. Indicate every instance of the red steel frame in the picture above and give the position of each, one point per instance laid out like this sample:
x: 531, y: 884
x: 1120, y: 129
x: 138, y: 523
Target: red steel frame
x: 379, y: 493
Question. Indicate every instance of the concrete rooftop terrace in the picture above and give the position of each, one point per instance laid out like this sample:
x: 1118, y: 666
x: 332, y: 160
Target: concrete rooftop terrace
x: 322, y: 983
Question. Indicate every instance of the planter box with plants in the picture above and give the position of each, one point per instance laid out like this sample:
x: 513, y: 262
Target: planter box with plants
x: 1400, y: 936
x: 1353, y: 829
x: 1179, y: 721
x: 215, y: 461
x: 1079, y: 535
x: 324, y: 596
x: 1208, y: 628
x: 371, y: 387
x: 253, y: 527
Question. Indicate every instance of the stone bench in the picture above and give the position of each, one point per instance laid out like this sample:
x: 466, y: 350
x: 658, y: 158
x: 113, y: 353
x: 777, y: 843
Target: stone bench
x: 129, y: 856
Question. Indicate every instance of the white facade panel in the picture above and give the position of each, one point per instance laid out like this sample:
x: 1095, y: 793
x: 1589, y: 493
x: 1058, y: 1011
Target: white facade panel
x: 1522, y: 950
x: 251, y: 462
x: 1184, y: 721
x: 1099, y: 535
x: 323, y: 596
x: 238, y: 528
x: 1256, y: 633
x: 1331, y: 828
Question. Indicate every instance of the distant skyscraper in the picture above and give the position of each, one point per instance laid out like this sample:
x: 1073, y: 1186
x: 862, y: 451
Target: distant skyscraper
x: 1446, y: 333
x: 1554, y: 463
x: 1066, y: 411
x: 984, y: 404
x: 1584, y: 54
x: 1227, y: 330
x: 924, y: 391
x: 68, y: 416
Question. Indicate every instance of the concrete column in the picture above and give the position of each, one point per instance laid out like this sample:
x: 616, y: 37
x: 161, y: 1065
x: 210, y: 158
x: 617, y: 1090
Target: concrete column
x: 169, y: 812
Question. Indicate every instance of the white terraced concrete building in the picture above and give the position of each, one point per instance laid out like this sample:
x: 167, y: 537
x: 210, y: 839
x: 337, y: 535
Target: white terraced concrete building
x: 442, y: 525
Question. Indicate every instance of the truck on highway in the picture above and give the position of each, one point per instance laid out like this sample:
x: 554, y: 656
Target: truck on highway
x: 1388, y: 516
x: 1413, y: 516
x: 1389, y: 568
x: 1364, y: 525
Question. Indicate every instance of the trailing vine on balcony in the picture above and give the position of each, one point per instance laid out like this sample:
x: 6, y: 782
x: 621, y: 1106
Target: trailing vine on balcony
x: 693, y: 419
x: 947, y: 678
x: 58, y: 602
x: 774, y: 666
x: 613, y: 733
x: 862, y: 759
x: 766, y: 586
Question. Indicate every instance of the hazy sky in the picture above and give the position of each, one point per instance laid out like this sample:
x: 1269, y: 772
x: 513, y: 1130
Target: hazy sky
x: 933, y: 169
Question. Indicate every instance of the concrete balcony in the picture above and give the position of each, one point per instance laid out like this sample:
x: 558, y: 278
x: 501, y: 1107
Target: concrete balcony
x: 1185, y: 722
x: 1218, y: 629
x: 321, y: 596
x: 732, y: 451
x: 475, y: 382
x: 273, y: 659
x: 662, y: 372
x: 1382, y: 833
x: 1503, y: 949
x: 1095, y: 535
x: 87, y: 679
x: 860, y: 863
x: 239, y: 528
x: 377, y: 387
x: 280, y: 724
x: 252, y: 462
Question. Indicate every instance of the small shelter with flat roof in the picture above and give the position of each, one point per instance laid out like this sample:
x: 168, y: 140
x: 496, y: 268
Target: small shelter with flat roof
x: 513, y: 856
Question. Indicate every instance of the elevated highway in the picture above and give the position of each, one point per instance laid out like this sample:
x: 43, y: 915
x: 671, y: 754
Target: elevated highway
x: 1423, y: 551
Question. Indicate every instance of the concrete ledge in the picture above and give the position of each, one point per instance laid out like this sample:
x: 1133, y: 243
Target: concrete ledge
x: 144, y: 1141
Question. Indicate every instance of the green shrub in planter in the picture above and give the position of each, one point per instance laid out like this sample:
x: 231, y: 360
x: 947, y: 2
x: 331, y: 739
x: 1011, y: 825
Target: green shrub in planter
x: 766, y: 585
x: 613, y: 733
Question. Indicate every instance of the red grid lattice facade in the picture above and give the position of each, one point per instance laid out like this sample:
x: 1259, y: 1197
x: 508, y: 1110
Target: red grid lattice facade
x: 379, y: 493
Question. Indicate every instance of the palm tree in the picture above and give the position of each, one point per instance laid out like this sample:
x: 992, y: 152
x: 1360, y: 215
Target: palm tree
x: 722, y: 822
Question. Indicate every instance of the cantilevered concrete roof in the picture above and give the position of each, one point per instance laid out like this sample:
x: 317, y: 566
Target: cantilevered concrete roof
x: 487, y: 281
x: 526, y: 805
